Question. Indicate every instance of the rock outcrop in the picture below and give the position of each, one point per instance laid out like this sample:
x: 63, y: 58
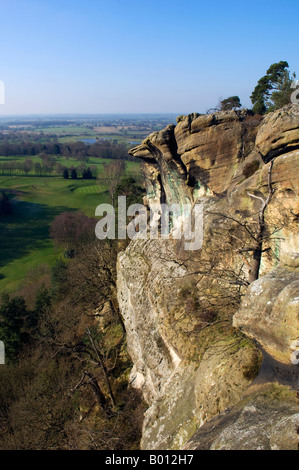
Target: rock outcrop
x: 269, y: 312
x: 210, y: 350
x: 267, y: 419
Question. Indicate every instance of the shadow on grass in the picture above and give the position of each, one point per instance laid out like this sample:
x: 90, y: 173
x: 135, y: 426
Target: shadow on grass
x: 26, y: 229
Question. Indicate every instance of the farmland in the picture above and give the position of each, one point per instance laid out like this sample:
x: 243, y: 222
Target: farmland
x: 34, y: 152
x: 126, y: 129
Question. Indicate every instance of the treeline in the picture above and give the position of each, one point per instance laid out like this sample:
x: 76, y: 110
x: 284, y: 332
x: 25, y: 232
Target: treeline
x: 78, y: 150
x: 48, y: 166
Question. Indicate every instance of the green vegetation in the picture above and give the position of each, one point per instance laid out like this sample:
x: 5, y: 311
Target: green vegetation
x: 36, y: 201
x: 42, y: 177
x: 273, y: 90
x: 233, y: 102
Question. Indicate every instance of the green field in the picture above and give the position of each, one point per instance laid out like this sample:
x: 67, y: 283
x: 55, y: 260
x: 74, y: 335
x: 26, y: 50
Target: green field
x: 24, y: 235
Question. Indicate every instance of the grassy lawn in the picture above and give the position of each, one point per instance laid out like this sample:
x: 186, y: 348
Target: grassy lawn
x: 24, y: 235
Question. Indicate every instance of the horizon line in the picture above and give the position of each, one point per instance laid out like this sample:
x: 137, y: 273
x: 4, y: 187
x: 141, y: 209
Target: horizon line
x: 90, y: 114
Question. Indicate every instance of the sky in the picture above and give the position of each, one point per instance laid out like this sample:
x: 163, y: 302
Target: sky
x: 129, y: 56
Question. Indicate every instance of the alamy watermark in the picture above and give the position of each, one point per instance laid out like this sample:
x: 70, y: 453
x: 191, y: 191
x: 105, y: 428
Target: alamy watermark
x: 2, y: 93
x: 295, y: 94
x: 178, y: 222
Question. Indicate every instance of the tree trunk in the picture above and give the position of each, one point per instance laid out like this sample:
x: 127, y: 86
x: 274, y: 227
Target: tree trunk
x: 102, y: 364
x: 255, y: 265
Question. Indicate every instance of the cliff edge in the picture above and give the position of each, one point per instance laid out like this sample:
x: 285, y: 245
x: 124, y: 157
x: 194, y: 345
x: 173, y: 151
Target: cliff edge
x: 214, y: 332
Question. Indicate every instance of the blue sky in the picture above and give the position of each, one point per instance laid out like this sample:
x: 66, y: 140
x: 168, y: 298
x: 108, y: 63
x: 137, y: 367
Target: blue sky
x: 128, y: 56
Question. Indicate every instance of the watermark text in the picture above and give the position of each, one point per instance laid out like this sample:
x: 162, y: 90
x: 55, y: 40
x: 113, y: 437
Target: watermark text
x: 178, y: 222
x: 295, y: 94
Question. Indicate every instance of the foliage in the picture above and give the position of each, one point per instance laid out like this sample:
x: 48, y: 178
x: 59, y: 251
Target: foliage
x: 232, y: 102
x: 273, y: 90
x: 74, y: 175
x: 13, y: 325
x: 128, y: 187
x: 43, y: 300
x: 87, y: 174
x: 14, y: 143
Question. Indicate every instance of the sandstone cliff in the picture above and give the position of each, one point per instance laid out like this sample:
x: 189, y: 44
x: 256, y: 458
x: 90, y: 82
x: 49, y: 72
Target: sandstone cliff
x: 213, y: 352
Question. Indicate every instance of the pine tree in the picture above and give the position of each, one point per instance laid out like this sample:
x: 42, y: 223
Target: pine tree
x: 233, y: 102
x: 74, y: 174
x: 273, y: 90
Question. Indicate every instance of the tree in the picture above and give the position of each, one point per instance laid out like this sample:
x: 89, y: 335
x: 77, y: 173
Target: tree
x: 38, y: 168
x: 128, y: 187
x: 13, y: 332
x: 87, y: 174
x: 73, y: 229
x: 273, y: 90
x: 5, y: 205
x: 65, y: 173
x: 232, y: 102
x: 113, y: 173
x: 27, y: 166
x: 43, y: 300
x: 59, y: 277
x: 74, y: 174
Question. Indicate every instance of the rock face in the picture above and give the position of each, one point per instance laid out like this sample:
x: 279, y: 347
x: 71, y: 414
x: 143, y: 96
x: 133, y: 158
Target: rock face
x: 268, y: 419
x: 182, y: 389
x: 269, y: 312
x: 196, y: 330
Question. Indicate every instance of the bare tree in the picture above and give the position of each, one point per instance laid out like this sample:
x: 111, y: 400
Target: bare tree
x: 113, y: 172
x: 101, y: 362
x: 89, y: 379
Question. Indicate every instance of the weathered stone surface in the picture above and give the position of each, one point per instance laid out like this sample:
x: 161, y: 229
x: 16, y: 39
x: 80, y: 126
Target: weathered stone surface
x: 160, y: 151
x: 269, y: 312
x: 279, y: 132
x: 204, y: 150
x: 267, y: 419
x: 182, y: 390
x: 212, y: 147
